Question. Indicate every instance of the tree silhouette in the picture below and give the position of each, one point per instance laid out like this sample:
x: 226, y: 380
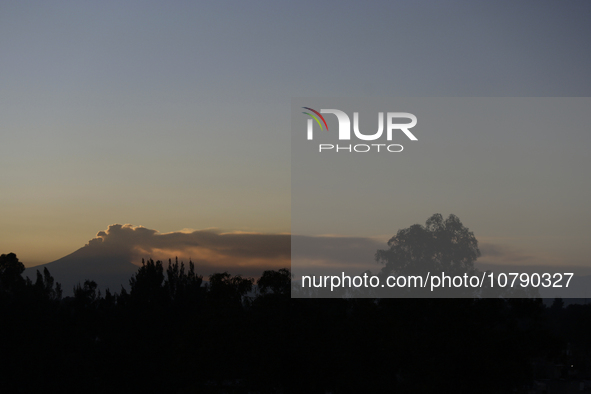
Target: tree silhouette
x: 181, y: 285
x: 10, y: 272
x: 46, y: 287
x: 439, y: 246
x: 228, y: 290
x: 275, y: 282
x: 86, y: 295
x: 146, y: 284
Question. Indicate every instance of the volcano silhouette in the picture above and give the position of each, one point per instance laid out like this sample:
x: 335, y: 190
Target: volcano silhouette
x: 110, y: 269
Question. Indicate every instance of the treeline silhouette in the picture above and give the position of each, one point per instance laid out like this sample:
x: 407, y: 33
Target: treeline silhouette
x: 175, y: 333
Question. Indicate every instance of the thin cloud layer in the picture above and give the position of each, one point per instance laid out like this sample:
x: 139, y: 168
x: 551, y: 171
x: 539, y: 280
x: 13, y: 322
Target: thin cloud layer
x: 211, y: 250
x: 250, y: 254
x: 236, y: 252
x: 502, y: 254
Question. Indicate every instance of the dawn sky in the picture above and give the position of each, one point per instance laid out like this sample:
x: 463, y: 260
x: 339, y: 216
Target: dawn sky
x: 176, y: 115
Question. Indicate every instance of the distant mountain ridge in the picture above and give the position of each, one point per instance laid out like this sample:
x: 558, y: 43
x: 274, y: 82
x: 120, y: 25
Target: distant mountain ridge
x: 108, y: 269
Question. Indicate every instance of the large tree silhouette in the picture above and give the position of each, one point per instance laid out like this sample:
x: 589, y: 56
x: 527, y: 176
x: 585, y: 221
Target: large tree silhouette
x: 441, y: 246
x: 438, y: 246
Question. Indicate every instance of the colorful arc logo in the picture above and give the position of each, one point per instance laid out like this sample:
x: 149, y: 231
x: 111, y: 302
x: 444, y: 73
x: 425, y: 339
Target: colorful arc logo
x: 315, y: 118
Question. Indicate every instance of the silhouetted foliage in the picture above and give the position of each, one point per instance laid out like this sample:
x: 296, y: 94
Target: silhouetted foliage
x: 439, y: 248
x: 175, y: 333
x: 275, y: 282
x: 146, y: 284
x: 440, y: 245
x: 45, y: 286
x: 181, y: 285
x: 229, y: 291
x: 86, y: 295
x: 10, y: 272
